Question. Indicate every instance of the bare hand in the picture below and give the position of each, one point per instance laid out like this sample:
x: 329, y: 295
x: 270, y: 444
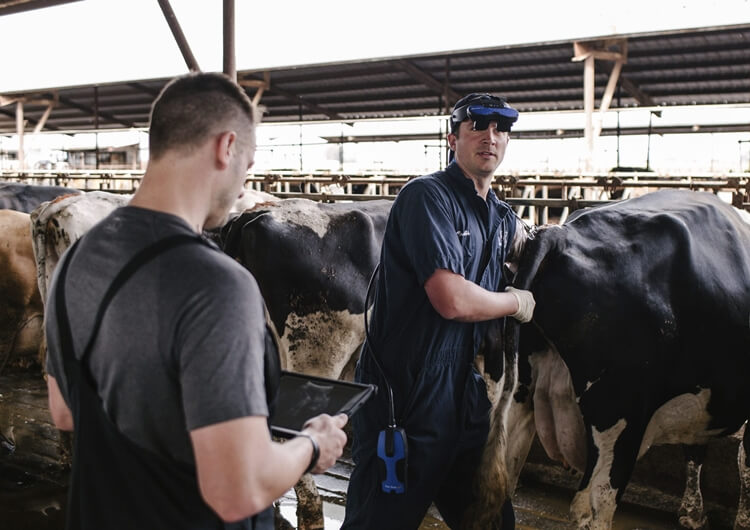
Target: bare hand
x: 327, y: 431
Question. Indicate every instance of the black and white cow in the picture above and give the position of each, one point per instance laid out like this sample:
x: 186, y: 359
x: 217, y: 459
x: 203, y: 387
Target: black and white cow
x: 313, y: 262
x: 641, y: 336
x: 25, y: 198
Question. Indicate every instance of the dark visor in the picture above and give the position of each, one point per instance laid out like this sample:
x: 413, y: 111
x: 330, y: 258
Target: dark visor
x: 483, y: 114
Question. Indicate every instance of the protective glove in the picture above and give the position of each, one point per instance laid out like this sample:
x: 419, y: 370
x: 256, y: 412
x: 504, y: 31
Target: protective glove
x: 526, y: 304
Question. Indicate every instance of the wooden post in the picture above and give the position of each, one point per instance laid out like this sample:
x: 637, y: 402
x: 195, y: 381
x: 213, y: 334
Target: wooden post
x: 607, y: 97
x: 589, y: 52
x: 43, y: 120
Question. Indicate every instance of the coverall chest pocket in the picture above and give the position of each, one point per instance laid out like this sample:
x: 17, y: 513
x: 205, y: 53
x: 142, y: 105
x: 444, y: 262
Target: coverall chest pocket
x: 468, y: 244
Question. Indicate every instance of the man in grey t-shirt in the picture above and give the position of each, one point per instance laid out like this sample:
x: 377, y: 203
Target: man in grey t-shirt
x: 169, y: 402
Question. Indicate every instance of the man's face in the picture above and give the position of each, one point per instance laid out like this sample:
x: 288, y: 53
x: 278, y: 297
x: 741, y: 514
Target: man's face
x: 477, y: 152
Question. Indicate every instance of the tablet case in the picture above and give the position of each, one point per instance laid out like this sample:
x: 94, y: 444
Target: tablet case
x: 302, y: 397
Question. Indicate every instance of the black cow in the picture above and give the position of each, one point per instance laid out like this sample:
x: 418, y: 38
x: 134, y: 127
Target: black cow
x: 312, y: 262
x: 641, y: 336
x: 25, y: 198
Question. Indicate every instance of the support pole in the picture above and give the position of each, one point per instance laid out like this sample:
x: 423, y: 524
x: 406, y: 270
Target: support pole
x: 179, y: 36
x: 43, y: 120
x: 607, y: 97
x: 588, y: 108
x: 588, y: 52
x: 230, y: 68
x: 96, y: 126
x: 19, y: 132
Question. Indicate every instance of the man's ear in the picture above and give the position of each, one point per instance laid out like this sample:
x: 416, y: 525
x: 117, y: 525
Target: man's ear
x: 451, y: 141
x: 225, y: 145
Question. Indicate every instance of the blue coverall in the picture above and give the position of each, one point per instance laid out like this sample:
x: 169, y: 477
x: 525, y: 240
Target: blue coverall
x: 438, y: 221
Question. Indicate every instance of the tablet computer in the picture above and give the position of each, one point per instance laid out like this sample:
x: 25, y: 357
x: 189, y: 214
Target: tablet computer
x: 302, y: 397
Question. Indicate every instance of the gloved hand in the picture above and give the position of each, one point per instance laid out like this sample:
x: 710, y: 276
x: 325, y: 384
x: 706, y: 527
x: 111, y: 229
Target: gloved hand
x: 526, y: 304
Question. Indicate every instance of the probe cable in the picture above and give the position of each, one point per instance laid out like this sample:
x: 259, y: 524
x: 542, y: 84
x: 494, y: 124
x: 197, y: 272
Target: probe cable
x: 368, y: 342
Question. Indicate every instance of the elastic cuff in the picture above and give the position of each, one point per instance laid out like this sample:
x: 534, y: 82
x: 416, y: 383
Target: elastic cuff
x: 315, y: 453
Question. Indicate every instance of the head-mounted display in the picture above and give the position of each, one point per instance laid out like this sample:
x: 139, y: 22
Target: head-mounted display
x: 483, y: 109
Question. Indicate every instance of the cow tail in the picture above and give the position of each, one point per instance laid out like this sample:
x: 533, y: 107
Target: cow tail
x: 533, y: 256
x: 39, y: 246
x: 493, y: 483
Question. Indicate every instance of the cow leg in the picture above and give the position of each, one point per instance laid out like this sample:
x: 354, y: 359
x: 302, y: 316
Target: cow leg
x: 279, y: 521
x: 309, y: 504
x: 347, y: 373
x: 691, y: 514
x: 611, y: 456
x: 595, y: 492
x: 742, y: 522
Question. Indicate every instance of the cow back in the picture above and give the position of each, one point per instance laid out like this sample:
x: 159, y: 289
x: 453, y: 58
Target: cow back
x: 647, y: 286
x: 59, y: 223
x: 21, y: 311
x: 25, y: 198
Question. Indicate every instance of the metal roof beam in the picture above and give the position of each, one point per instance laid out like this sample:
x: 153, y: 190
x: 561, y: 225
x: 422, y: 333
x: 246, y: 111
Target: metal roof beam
x: 88, y: 110
x: 639, y: 95
x: 179, y: 36
x: 31, y: 121
x: 9, y: 7
x: 549, y: 133
x: 143, y: 88
x: 315, y: 108
x: 230, y: 63
x: 423, y: 77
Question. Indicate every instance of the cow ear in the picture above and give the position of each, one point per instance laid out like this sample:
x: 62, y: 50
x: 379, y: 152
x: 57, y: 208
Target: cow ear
x: 226, y: 144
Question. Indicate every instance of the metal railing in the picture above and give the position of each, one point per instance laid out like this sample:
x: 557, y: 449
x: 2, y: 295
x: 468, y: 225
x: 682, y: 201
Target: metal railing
x: 538, y: 197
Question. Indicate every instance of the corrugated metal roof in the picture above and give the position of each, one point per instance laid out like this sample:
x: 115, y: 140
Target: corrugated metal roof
x: 689, y: 67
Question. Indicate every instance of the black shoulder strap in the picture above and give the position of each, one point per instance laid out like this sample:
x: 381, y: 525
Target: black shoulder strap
x: 136, y: 262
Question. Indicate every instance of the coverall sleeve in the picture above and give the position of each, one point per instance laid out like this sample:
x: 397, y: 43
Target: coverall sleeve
x: 427, y: 227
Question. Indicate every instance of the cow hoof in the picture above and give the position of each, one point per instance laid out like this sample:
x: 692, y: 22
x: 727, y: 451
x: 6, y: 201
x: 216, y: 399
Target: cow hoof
x: 692, y: 523
x: 279, y: 521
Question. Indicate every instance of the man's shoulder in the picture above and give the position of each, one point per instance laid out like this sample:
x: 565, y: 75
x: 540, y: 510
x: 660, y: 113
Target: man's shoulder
x: 206, y: 260
x: 433, y: 184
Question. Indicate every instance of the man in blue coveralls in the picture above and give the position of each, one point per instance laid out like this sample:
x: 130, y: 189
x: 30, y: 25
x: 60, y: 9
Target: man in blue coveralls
x: 439, y: 276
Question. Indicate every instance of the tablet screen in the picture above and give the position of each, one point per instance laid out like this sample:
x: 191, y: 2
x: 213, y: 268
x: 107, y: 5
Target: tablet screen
x: 302, y: 397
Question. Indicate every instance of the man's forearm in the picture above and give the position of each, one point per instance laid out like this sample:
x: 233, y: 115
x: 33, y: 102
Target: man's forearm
x: 456, y: 298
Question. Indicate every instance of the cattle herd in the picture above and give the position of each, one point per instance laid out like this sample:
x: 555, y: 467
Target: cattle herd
x: 641, y: 334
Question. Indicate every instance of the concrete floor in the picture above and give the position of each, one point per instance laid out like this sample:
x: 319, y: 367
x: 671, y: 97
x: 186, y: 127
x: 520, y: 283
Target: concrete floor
x: 538, y: 507
x: 28, y: 504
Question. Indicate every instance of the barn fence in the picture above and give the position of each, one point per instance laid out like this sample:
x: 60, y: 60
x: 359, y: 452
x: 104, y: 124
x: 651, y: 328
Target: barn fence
x: 537, y: 197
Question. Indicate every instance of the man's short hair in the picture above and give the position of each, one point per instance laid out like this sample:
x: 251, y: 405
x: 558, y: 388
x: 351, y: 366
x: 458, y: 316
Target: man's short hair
x: 192, y: 107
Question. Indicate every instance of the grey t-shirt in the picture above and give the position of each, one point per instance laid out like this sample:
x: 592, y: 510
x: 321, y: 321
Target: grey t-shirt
x: 181, y: 345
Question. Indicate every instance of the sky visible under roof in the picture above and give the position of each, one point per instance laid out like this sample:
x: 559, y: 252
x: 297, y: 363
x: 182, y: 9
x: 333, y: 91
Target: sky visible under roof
x: 101, y: 41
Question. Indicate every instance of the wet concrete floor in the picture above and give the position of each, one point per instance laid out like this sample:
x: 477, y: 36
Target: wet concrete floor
x: 29, y: 504
x: 537, y: 506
